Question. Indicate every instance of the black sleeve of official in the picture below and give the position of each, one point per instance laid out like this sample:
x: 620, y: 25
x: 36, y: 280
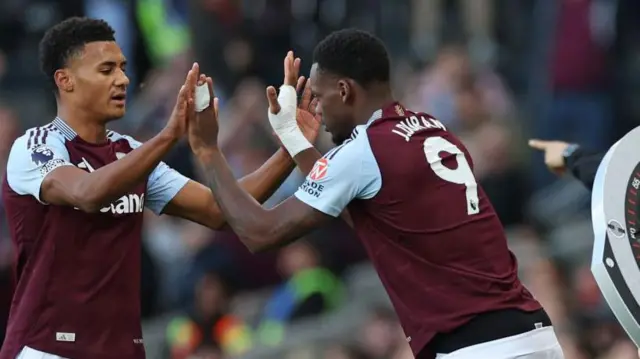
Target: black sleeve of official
x: 583, y: 165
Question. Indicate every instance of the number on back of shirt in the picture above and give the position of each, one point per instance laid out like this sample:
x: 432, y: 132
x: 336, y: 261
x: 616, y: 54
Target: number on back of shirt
x: 462, y: 174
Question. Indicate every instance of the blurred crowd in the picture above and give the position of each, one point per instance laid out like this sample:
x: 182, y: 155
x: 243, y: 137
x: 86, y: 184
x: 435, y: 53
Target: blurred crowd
x: 494, y: 71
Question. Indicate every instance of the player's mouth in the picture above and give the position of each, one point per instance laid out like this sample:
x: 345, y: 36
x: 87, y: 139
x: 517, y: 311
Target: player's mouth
x: 119, y: 99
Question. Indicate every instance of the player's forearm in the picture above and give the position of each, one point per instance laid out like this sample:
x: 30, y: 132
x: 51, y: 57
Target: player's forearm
x: 242, y: 212
x: 263, y: 182
x: 110, y: 182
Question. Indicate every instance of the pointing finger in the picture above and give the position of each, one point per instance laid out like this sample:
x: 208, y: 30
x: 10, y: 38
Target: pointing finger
x: 538, y: 144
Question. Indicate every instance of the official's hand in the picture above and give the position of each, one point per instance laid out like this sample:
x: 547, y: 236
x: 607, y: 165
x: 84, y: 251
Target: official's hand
x: 203, y: 126
x: 553, y: 154
x: 179, y: 120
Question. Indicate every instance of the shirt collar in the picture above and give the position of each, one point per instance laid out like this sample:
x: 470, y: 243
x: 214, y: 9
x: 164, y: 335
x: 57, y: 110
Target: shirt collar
x: 65, y: 129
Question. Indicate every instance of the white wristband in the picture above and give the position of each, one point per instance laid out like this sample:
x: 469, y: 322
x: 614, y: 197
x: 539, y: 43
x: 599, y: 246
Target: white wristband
x: 284, y: 122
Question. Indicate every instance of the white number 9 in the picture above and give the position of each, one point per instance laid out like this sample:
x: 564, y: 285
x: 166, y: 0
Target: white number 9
x: 462, y: 175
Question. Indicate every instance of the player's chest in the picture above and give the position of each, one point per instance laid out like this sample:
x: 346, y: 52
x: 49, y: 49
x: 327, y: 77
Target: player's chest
x: 91, y: 159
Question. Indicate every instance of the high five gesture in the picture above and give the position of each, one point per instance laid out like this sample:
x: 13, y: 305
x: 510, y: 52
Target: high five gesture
x: 294, y: 125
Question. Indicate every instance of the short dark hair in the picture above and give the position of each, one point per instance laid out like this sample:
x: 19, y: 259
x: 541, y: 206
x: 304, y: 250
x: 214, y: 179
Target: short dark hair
x: 67, y: 38
x: 354, y: 53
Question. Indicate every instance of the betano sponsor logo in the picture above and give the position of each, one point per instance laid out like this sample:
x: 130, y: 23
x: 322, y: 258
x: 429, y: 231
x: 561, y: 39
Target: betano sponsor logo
x: 130, y: 203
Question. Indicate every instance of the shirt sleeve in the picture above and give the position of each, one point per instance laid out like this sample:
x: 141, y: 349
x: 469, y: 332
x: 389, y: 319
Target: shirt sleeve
x: 32, y: 158
x: 584, y: 164
x: 345, y: 173
x: 163, y: 184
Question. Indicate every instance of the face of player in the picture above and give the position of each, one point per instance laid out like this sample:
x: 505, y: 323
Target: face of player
x: 335, y: 103
x: 97, y: 82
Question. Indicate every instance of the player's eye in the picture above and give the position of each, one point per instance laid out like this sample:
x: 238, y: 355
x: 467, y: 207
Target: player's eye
x: 106, y: 71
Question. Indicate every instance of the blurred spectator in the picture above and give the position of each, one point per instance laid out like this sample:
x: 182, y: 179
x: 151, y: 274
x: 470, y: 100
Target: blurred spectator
x: 475, y: 18
x: 492, y: 145
x: 9, y: 129
x: 580, y: 108
x: 436, y: 87
x: 8, y: 133
x: 207, y: 326
x: 309, y: 290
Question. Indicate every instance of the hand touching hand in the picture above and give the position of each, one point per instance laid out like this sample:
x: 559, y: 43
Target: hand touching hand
x: 553, y: 154
x: 306, y: 118
x: 294, y: 126
x: 203, y: 126
x: 178, y: 122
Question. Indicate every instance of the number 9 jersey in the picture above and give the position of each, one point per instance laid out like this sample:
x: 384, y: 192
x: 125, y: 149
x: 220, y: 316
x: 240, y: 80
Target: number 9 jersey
x: 428, y: 227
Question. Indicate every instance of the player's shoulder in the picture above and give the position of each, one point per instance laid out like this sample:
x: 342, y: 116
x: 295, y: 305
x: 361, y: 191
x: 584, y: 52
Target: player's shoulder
x: 402, y: 123
x: 40, y: 136
x: 355, y: 147
x: 114, y: 136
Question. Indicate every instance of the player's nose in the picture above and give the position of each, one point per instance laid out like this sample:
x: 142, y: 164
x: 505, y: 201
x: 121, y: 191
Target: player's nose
x: 122, y: 80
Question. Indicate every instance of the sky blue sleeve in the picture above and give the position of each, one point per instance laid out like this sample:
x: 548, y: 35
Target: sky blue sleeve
x: 163, y: 184
x: 345, y: 173
x: 33, y: 156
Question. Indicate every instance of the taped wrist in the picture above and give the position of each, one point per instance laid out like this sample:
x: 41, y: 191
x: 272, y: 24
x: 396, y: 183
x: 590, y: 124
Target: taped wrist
x: 284, y: 123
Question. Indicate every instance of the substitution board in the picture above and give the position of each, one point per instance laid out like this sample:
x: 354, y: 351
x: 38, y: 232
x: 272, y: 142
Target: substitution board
x: 615, y: 210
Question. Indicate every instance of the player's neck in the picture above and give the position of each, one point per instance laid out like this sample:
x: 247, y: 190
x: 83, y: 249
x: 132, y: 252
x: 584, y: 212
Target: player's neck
x: 377, y: 99
x: 84, y: 124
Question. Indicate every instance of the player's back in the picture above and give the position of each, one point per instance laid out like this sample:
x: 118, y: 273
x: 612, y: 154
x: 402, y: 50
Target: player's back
x: 432, y: 234
x: 77, y: 273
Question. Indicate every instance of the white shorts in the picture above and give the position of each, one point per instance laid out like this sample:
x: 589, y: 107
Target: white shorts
x: 537, y: 344
x: 28, y: 353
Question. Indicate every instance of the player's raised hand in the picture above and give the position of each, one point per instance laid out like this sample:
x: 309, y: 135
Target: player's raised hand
x: 284, y: 119
x: 203, y: 124
x: 553, y: 154
x: 178, y: 122
x: 291, y: 71
x: 283, y: 109
x: 306, y: 117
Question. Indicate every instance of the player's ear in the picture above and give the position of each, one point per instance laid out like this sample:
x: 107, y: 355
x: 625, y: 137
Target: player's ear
x: 345, y: 89
x: 63, y: 79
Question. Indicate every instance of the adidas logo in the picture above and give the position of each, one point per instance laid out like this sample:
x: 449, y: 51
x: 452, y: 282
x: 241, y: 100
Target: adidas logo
x: 66, y: 337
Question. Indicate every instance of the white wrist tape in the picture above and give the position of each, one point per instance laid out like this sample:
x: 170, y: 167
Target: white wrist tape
x: 284, y: 122
x: 202, y: 97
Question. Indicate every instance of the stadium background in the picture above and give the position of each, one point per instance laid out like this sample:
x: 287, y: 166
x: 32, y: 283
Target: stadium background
x: 494, y: 71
